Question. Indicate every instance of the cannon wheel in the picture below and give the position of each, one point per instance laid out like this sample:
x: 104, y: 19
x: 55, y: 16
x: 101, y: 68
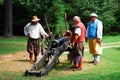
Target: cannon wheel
x: 45, y: 44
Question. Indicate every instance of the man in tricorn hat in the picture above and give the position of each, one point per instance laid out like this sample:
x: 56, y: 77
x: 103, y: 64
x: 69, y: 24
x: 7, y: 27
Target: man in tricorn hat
x: 33, y: 30
x: 94, y: 37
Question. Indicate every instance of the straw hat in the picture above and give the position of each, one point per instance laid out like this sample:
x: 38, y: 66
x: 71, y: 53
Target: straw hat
x: 35, y: 18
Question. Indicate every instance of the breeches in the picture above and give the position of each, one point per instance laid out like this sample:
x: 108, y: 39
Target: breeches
x: 33, y: 46
x: 95, y: 47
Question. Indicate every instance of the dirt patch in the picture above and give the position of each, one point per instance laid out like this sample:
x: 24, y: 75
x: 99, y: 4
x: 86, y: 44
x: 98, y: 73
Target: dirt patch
x: 15, y: 62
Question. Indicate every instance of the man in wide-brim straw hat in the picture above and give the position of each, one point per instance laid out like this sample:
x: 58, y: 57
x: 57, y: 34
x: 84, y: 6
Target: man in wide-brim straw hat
x: 33, y: 30
x: 35, y: 18
x: 94, y: 37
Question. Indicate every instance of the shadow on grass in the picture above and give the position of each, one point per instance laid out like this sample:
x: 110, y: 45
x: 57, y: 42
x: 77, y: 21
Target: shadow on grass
x: 62, y: 66
x: 23, y: 60
x: 118, y: 48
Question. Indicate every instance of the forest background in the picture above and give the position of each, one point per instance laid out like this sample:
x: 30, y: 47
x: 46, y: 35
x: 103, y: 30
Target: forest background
x: 15, y: 14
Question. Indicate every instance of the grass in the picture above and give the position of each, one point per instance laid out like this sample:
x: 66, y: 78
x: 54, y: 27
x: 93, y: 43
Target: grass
x: 108, y: 69
x: 108, y: 39
x: 15, y: 44
x: 12, y: 45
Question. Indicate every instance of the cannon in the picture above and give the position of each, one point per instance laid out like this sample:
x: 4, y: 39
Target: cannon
x: 55, y: 48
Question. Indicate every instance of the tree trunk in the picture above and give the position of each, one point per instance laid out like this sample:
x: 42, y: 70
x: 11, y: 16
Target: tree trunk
x: 8, y: 29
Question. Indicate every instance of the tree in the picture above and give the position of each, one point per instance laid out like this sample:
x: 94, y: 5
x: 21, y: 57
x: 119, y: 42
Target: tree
x: 52, y: 9
x: 1, y: 1
x: 105, y: 9
x: 8, y: 29
x: 58, y: 10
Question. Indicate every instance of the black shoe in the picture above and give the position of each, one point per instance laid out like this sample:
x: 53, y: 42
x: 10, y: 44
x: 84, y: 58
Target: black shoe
x: 95, y: 62
x: 77, y: 69
x: 91, y: 62
x: 73, y: 67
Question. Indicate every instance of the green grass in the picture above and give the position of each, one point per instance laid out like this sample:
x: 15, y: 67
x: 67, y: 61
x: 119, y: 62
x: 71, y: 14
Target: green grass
x: 108, y: 69
x: 108, y: 39
x: 12, y: 45
x: 15, y: 44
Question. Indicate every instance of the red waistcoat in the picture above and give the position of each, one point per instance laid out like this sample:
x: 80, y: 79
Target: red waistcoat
x: 83, y: 32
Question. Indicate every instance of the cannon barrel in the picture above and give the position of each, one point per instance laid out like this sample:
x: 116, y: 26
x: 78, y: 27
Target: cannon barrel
x: 58, y: 42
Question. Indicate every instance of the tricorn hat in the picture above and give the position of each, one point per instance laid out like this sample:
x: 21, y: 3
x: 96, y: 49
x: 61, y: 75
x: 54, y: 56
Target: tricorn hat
x: 35, y: 18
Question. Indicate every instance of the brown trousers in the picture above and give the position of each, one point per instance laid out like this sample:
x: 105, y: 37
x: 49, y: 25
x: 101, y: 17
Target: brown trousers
x: 33, y: 46
x: 78, y: 49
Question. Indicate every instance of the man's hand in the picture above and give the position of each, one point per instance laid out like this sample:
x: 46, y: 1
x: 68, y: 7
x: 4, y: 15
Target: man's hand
x: 86, y: 39
x: 28, y: 35
x: 74, y: 39
x: 46, y: 36
x: 98, y: 40
x: 72, y: 45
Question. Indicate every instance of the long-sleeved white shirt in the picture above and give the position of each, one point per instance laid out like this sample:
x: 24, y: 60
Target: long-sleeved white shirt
x: 100, y: 30
x: 34, y: 31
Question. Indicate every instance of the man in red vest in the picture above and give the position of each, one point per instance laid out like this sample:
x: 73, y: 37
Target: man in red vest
x: 77, y: 42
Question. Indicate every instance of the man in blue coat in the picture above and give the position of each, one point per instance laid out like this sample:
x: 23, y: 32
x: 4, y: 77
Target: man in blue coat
x: 94, y: 37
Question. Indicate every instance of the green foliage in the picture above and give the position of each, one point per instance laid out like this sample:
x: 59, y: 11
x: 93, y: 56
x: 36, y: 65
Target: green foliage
x: 104, y: 9
x: 1, y: 1
x: 107, y: 10
x: 117, y: 14
x: 53, y: 10
x: 58, y: 12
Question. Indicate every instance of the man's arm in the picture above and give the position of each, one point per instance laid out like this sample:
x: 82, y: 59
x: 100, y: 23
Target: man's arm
x: 86, y: 38
x: 76, y: 36
x: 42, y: 31
x: 74, y: 40
x: 26, y: 28
x: 99, y: 32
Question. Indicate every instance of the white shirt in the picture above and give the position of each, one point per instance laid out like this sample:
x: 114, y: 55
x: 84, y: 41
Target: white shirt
x: 99, y: 30
x: 34, y: 31
x: 78, y: 31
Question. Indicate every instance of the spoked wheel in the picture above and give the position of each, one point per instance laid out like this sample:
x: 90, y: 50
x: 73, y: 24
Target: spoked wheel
x: 45, y: 43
